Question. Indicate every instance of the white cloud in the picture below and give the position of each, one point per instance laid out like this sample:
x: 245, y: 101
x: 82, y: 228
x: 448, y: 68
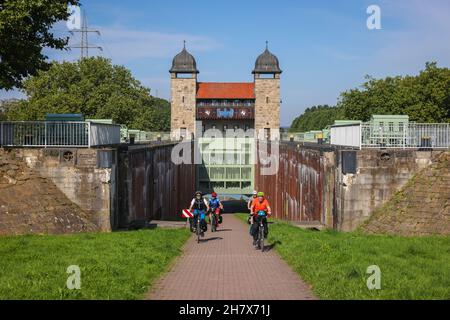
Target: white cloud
x: 125, y: 45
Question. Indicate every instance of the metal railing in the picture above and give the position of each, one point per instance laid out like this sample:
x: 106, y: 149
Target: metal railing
x: 58, y: 134
x: 408, y: 136
x: 229, y: 104
x: 412, y: 135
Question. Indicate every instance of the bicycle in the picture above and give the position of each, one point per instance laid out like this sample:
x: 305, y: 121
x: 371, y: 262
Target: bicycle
x: 213, y: 220
x: 200, y: 216
x: 197, y: 229
x: 260, y: 239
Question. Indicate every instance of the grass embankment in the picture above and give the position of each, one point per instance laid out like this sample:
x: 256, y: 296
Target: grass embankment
x: 335, y: 263
x: 119, y: 265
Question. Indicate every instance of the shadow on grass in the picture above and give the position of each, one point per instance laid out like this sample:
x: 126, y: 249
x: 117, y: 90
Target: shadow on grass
x: 272, y: 245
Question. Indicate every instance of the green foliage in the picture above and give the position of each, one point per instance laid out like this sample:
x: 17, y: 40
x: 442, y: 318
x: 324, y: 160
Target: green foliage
x: 24, y: 31
x: 315, y: 118
x: 95, y: 88
x: 424, y: 98
x: 335, y: 263
x: 118, y: 265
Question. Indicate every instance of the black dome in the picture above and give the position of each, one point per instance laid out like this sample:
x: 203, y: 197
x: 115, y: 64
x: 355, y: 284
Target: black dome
x: 267, y: 63
x: 184, y: 62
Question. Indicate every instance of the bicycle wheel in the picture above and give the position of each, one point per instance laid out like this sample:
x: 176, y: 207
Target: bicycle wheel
x: 198, y: 230
x: 261, y: 237
x: 213, y: 222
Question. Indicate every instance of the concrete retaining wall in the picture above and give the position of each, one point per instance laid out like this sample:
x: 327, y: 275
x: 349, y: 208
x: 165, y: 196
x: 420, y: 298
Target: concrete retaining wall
x: 76, y: 174
x: 379, y: 174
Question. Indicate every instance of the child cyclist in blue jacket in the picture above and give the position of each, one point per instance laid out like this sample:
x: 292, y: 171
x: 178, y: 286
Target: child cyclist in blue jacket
x: 215, y: 205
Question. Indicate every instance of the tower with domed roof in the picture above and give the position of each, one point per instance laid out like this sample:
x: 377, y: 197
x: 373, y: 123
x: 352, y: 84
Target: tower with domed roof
x: 225, y: 106
x: 267, y: 95
x: 183, y: 94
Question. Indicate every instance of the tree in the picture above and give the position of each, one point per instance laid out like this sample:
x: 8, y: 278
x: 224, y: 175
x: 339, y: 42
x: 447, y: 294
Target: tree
x: 95, y: 88
x: 424, y: 98
x: 315, y: 118
x: 25, y: 29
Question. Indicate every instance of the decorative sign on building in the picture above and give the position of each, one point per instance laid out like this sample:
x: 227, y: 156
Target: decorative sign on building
x: 225, y: 113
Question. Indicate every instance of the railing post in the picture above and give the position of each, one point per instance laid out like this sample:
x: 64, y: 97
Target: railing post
x: 89, y: 134
x: 360, y: 135
x: 448, y: 135
x: 45, y: 134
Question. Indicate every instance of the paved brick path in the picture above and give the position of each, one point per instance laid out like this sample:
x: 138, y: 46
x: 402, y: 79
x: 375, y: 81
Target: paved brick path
x: 226, y: 266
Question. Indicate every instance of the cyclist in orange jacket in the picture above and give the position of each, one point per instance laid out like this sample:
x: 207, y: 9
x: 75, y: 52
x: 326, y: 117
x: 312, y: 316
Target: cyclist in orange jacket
x: 260, y: 204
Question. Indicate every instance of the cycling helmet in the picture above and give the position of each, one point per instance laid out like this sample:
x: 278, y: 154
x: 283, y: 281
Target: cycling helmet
x: 198, y: 193
x: 214, y: 194
x: 255, y: 192
x: 260, y: 194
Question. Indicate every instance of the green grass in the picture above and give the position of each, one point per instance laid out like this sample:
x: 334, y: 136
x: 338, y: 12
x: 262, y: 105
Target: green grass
x: 119, y: 265
x: 335, y: 263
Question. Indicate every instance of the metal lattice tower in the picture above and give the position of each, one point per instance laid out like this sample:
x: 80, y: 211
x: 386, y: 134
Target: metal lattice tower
x: 84, y: 45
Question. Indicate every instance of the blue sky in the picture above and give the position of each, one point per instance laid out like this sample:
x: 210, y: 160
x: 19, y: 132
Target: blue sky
x: 324, y: 47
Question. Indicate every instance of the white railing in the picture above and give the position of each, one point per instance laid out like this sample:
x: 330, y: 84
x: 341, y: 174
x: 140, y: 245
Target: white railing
x: 411, y: 135
x: 346, y: 135
x: 57, y: 134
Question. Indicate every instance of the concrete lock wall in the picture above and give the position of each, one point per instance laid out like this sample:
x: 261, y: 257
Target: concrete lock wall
x: 76, y: 173
x: 119, y: 187
x: 318, y: 184
x: 379, y: 174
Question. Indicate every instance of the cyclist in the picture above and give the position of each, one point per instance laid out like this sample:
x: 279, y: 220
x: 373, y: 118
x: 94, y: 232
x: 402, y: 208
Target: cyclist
x: 249, y: 206
x: 215, y: 206
x: 260, y: 204
x: 200, y: 207
x: 250, y: 201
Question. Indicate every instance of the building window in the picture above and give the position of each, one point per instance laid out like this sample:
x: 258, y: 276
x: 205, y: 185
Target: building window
x: 182, y: 99
x: 391, y: 126
x: 267, y: 99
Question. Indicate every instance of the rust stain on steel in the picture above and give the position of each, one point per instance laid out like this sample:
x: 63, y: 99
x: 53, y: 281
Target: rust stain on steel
x: 296, y: 191
x: 155, y: 188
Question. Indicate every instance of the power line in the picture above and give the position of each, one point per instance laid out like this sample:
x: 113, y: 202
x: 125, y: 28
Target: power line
x: 84, y: 45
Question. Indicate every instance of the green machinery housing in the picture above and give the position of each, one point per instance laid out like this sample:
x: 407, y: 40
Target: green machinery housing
x: 227, y: 165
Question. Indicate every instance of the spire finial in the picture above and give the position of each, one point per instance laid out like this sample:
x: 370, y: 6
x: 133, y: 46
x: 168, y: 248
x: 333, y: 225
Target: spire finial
x: 267, y: 45
x: 184, y: 44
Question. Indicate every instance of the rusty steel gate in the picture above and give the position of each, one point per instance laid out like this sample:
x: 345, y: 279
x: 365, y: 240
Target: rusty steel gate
x: 151, y: 186
x: 296, y: 192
